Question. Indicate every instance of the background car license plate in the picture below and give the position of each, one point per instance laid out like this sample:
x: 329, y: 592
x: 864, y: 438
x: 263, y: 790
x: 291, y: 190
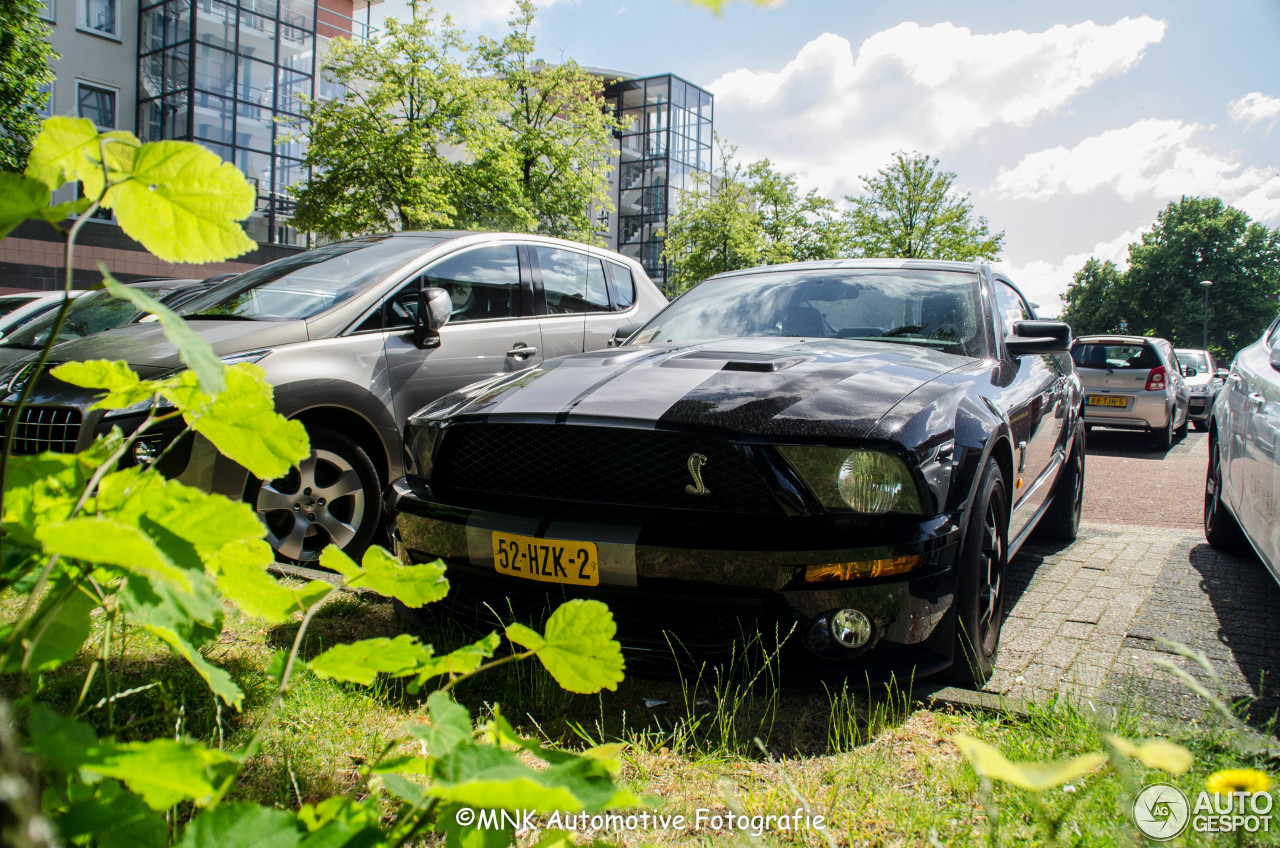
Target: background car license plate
x: 1095, y: 400
x: 548, y: 560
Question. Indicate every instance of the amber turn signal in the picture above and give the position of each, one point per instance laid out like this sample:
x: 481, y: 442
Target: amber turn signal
x: 833, y: 572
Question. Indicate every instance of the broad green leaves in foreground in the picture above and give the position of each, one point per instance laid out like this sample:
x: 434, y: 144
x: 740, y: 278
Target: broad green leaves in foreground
x: 578, y: 649
x: 1036, y: 777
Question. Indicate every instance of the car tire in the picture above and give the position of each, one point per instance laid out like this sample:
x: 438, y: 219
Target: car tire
x: 331, y: 497
x: 1182, y: 431
x: 1061, y: 522
x: 1221, y: 529
x: 1164, y: 437
x: 981, y: 582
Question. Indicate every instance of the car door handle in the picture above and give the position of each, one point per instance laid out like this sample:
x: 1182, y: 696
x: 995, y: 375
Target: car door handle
x: 522, y: 352
x: 1257, y: 399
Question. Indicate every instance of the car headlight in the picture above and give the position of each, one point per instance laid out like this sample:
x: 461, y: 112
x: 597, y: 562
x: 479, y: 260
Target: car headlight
x: 863, y: 481
x: 421, y: 445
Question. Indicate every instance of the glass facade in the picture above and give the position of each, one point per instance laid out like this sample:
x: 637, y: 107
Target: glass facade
x: 665, y: 140
x: 219, y: 73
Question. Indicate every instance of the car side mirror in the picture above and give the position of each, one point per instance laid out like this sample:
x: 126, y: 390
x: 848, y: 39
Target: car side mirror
x: 1188, y: 371
x: 1031, y: 338
x: 623, y: 333
x: 434, y: 308
x: 1223, y: 373
x: 1275, y: 357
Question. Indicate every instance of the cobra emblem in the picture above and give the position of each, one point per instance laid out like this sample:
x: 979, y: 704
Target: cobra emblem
x: 696, y: 461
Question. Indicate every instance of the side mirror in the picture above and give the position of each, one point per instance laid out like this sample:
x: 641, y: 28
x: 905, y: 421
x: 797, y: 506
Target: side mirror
x: 434, y: 307
x: 1223, y: 373
x: 623, y: 333
x: 1188, y: 371
x: 1031, y: 338
x: 1275, y: 357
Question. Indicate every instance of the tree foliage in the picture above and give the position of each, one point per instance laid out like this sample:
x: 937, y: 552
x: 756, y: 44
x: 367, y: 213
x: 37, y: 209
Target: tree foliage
x: 1193, y: 239
x: 436, y: 132
x: 909, y: 210
x: 25, y: 54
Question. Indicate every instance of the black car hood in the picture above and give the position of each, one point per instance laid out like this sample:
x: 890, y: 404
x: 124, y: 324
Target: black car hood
x: 754, y: 387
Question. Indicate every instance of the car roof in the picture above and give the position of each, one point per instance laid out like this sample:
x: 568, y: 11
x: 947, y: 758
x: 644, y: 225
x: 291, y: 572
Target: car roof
x: 1118, y: 339
x: 840, y: 264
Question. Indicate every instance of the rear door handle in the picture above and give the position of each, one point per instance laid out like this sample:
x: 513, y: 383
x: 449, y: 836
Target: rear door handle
x: 522, y: 352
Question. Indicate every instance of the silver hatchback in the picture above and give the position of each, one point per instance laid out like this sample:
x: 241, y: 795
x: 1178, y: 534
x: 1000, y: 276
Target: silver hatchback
x: 1134, y: 383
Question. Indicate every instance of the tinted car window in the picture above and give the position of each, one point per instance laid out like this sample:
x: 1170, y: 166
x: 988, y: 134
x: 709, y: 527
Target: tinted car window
x: 565, y: 276
x: 88, y: 314
x: 8, y: 304
x: 1195, y: 360
x: 624, y: 286
x: 1011, y: 306
x: 305, y: 285
x: 908, y: 306
x: 483, y: 283
x: 1116, y: 356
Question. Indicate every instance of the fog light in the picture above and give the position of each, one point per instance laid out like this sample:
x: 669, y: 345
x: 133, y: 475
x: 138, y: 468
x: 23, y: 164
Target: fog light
x: 850, y: 628
x: 145, y: 453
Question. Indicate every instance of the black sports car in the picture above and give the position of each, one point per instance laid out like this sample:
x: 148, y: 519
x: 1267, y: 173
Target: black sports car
x: 846, y: 452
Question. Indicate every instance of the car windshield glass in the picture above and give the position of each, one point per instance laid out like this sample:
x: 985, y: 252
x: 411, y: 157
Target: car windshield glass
x: 8, y: 304
x: 88, y: 314
x: 1194, y: 359
x: 1115, y: 356
x: 928, y: 308
x: 305, y: 285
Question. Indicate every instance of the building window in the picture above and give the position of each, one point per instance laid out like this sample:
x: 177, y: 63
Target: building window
x: 100, y: 16
x: 46, y: 91
x: 46, y: 10
x: 98, y: 105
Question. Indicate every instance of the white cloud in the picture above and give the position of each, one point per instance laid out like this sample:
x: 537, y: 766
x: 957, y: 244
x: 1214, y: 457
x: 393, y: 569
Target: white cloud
x: 831, y: 115
x: 1043, y: 282
x: 1161, y: 159
x: 1255, y: 107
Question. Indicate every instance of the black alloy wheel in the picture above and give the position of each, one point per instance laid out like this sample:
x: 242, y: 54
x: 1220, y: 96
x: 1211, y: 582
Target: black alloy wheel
x: 1164, y: 438
x: 1221, y: 529
x: 980, y: 589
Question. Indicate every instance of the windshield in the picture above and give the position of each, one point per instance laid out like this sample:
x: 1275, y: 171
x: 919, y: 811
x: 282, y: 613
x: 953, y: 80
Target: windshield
x: 8, y: 304
x: 1196, y: 359
x: 927, y: 308
x: 1137, y: 357
x: 88, y: 314
x: 305, y: 285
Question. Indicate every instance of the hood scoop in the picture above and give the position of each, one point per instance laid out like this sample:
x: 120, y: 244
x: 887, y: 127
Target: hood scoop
x: 711, y: 360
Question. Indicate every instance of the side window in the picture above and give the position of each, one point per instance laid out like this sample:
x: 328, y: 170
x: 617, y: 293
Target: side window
x: 624, y: 287
x: 484, y: 283
x: 565, y: 281
x: 1011, y: 305
x: 597, y: 286
x: 1274, y: 338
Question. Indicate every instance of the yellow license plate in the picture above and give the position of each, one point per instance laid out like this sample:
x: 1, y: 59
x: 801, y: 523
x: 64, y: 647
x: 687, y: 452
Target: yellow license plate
x: 1095, y: 400
x: 548, y: 560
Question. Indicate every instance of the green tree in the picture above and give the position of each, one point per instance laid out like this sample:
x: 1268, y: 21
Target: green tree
x: 548, y: 167
x: 387, y: 155
x: 714, y: 227
x: 1196, y: 239
x: 25, y: 55
x: 1093, y: 302
x: 909, y: 210
x: 796, y: 228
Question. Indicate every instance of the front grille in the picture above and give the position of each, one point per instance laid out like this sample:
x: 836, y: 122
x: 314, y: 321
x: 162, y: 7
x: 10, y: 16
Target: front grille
x: 600, y: 465
x: 43, y: 428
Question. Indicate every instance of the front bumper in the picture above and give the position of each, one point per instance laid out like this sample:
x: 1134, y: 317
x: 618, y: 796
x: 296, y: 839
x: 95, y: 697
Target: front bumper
x: 698, y: 584
x: 1143, y: 410
x: 1200, y: 407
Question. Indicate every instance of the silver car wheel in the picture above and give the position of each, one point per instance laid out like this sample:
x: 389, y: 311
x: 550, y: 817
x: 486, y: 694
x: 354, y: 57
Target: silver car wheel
x: 320, y: 502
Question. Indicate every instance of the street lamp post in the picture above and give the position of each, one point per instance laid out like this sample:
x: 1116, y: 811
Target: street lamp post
x: 1206, y: 284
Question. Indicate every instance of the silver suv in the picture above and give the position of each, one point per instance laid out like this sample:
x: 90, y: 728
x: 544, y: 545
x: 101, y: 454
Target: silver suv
x: 1204, y: 380
x: 1133, y: 382
x: 355, y: 336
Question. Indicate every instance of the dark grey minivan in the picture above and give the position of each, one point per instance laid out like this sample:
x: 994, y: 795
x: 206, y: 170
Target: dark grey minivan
x: 355, y: 336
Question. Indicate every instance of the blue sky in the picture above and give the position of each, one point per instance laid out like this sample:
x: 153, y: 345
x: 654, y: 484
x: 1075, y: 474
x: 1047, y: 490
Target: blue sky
x: 1071, y: 125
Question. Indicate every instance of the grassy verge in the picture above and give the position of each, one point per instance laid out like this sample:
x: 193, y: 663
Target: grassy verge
x: 880, y: 768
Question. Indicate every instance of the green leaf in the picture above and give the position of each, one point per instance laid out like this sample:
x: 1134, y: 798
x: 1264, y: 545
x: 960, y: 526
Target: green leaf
x: 21, y: 199
x: 462, y: 661
x: 109, y: 542
x: 114, y: 376
x: 361, y: 662
x: 1036, y: 777
x: 240, y: 824
x: 162, y: 771
x: 1155, y: 753
x: 404, y: 789
x: 241, y: 570
x: 450, y: 725
x: 242, y: 422
x: 64, y: 149
x: 41, y: 490
x: 115, y: 819
x: 60, y: 637
x: 192, y: 348
x: 412, y: 585
x: 218, y: 679
x: 183, y: 203
x: 578, y: 648
x: 483, y: 776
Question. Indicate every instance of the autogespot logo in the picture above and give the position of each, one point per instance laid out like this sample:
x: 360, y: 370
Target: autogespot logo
x: 1161, y: 811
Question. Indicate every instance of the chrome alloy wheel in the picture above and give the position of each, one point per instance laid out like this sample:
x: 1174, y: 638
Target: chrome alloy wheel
x: 320, y: 502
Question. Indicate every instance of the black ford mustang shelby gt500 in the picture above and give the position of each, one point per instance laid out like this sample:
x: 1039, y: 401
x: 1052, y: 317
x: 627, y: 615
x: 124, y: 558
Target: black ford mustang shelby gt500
x: 848, y: 451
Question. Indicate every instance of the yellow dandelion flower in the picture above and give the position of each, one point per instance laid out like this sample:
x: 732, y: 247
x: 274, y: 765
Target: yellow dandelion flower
x: 1237, y: 780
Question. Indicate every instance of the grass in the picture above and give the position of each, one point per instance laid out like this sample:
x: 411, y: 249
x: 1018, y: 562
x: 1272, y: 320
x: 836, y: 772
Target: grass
x: 878, y: 765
